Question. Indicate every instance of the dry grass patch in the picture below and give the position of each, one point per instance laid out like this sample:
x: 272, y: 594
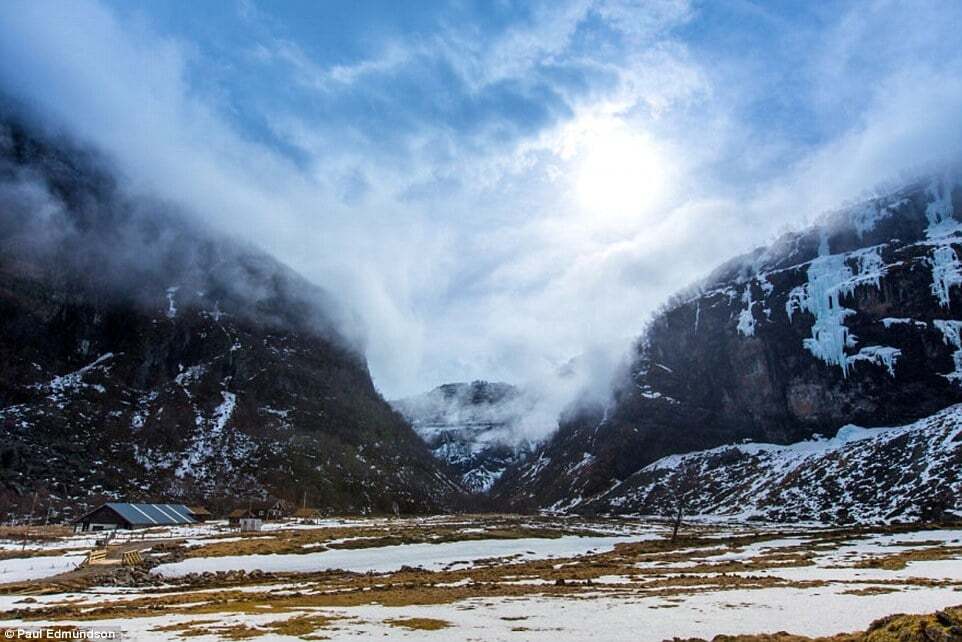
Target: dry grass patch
x: 872, y: 590
x: 35, y: 533
x: 377, y: 536
x: 898, y: 561
x: 10, y: 554
x: 445, y: 535
x: 418, y: 623
x: 302, y: 626
x: 281, y: 541
x: 237, y: 632
x: 186, y: 629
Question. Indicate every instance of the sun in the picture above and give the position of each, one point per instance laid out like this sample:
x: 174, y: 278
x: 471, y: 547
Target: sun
x: 619, y: 173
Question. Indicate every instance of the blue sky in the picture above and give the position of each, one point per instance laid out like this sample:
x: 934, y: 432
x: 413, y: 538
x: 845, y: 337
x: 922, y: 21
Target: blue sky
x: 497, y: 186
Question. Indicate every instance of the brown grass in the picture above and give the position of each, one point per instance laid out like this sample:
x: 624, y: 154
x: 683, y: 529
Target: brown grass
x: 872, y: 590
x: 418, y: 623
x: 186, y: 629
x: 31, y: 552
x: 312, y: 541
x: 898, y: 561
x: 299, y: 626
x: 35, y: 533
x: 302, y: 625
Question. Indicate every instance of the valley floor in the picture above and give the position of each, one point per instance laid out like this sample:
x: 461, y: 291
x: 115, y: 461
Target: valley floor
x: 492, y: 577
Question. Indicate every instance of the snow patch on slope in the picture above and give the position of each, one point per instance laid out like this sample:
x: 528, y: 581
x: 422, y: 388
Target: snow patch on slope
x: 208, y: 439
x: 866, y: 217
x: 862, y: 474
x: 62, y: 384
x: 171, y: 303
x: 790, y: 456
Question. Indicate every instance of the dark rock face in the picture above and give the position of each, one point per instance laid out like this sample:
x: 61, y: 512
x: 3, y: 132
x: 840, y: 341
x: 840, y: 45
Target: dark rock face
x: 146, y: 358
x: 853, y: 321
x: 472, y: 427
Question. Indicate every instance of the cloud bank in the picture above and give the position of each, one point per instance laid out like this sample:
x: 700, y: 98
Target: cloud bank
x: 496, y: 188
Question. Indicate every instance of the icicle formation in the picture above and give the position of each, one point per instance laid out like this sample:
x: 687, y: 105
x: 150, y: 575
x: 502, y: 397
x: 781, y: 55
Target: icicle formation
x: 829, y: 280
x: 878, y: 355
x: 952, y: 335
x: 746, y: 320
x: 941, y: 232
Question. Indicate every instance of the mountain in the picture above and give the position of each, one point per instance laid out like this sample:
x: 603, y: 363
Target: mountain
x: 862, y: 475
x: 471, y: 426
x: 856, y: 320
x: 145, y: 357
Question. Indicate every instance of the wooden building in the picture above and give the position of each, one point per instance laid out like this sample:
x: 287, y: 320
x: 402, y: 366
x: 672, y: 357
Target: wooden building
x: 199, y: 513
x: 307, y: 515
x: 118, y: 515
x: 264, y: 511
x: 235, y: 516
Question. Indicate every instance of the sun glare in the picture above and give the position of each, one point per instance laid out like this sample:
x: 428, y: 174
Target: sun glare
x: 620, y: 173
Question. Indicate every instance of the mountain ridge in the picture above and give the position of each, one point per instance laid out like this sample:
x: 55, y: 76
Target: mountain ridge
x: 473, y: 427
x: 862, y: 475
x: 821, y: 329
x: 147, y: 357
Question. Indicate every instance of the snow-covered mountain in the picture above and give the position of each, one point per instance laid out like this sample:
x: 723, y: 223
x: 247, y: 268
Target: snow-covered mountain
x: 471, y: 426
x: 144, y: 357
x: 856, y: 320
x: 862, y: 475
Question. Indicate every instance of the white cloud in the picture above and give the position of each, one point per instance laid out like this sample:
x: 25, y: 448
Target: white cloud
x: 500, y: 250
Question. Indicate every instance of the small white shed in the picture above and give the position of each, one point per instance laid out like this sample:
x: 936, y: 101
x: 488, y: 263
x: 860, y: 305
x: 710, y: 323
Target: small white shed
x: 250, y: 524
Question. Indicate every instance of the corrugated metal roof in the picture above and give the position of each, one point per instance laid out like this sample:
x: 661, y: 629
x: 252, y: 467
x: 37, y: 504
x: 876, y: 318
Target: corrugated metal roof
x: 153, y: 514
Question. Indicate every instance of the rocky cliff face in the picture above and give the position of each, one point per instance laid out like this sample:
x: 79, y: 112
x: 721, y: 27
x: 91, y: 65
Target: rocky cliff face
x: 144, y: 357
x: 856, y: 320
x: 472, y: 427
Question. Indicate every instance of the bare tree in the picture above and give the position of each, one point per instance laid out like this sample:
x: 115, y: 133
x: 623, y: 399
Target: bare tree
x: 682, y: 488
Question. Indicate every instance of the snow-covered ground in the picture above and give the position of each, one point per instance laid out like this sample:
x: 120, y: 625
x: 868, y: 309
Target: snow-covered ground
x: 652, y: 619
x: 811, y: 581
x: 21, y: 569
x: 603, y: 619
x: 392, y: 558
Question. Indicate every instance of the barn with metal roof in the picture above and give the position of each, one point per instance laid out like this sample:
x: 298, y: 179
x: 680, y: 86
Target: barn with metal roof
x: 117, y: 515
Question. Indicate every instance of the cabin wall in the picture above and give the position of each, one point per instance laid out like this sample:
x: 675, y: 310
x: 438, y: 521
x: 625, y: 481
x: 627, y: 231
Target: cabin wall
x: 102, y: 519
